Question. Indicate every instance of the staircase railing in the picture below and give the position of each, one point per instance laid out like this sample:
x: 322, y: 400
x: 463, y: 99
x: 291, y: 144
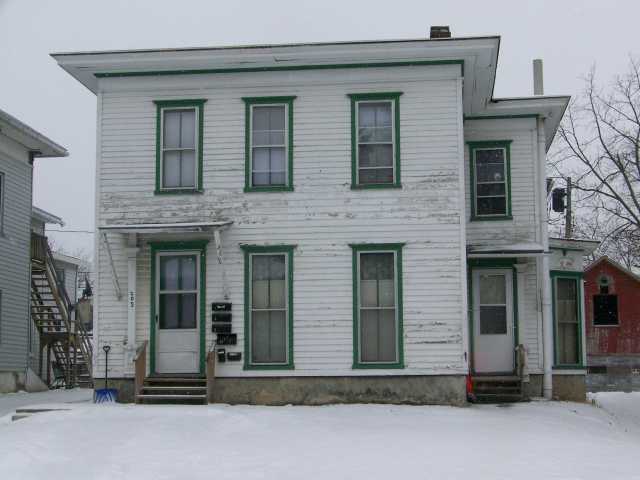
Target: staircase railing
x: 140, y: 367
x: 77, y: 335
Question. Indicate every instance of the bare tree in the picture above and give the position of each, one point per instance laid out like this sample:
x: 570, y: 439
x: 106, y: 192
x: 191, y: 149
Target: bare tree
x: 599, y: 147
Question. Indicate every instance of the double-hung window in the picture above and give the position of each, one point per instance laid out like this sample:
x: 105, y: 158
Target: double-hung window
x: 375, y: 140
x: 268, y: 307
x: 269, y: 144
x: 179, y: 146
x: 490, y: 180
x: 567, y: 318
x: 377, y: 299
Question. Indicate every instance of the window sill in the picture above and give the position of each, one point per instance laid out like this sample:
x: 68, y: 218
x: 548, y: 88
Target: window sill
x: 594, y: 326
x: 181, y: 191
x: 288, y: 366
x: 377, y: 366
x: 268, y: 189
x: 375, y: 186
x: 476, y: 218
x: 569, y: 367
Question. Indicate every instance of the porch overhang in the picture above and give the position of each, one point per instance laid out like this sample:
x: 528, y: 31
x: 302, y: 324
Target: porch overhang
x: 506, y: 251
x: 164, y: 228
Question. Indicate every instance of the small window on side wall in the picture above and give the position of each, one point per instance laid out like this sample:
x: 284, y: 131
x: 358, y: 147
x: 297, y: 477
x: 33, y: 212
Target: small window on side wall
x: 375, y: 140
x: 179, y: 146
x: 490, y: 180
x: 605, y: 310
x: 269, y: 144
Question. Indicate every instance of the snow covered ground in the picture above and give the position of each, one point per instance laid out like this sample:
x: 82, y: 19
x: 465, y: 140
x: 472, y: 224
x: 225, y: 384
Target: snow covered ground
x: 538, y: 440
x: 10, y: 401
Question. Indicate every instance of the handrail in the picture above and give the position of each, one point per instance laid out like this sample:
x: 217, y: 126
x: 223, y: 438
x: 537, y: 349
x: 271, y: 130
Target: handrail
x: 140, y: 367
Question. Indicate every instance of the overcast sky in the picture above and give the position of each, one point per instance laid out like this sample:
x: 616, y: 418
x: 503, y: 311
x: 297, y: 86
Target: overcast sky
x: 569, y: 35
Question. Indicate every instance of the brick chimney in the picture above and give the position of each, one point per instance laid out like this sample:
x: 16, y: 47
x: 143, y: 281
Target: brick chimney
x: 440, y: 31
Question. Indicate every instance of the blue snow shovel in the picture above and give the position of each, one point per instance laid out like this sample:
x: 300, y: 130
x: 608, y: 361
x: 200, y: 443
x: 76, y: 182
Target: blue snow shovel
x: 105, y: 395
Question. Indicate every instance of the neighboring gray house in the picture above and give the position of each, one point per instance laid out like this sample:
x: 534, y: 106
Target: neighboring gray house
x: 19, y: 146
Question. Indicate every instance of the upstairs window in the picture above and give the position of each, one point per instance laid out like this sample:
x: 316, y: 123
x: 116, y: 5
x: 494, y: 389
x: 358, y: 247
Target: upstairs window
x: 490, y: 180
x: 179, y: 146
x: 269, y: 144
x: 375, y: 132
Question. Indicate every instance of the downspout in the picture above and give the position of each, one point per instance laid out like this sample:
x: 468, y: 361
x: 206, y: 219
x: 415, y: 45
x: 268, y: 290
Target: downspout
x: 547, y: 314
x: 543, y: 265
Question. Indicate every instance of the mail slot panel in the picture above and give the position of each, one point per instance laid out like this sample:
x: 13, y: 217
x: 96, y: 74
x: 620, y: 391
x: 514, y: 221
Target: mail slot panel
x: 221, y: 306
x: 221, y: 317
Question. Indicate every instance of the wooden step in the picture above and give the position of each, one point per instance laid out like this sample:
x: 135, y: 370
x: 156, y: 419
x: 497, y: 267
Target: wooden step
x: 497, y: 398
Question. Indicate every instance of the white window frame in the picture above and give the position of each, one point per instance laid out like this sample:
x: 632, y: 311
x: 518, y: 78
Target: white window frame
x: 393, y: 141
x: 286, y: 144
x: 195, y: 149
x: 286, y: 309
x: 504, y: 175
x: 395, y: 302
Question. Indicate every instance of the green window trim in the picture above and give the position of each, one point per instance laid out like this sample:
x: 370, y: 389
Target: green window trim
x: 578, y: 277
x: 487, y: 264
x: 473, y: 146
x: 395, y: 248
x: 394, y: 98
x: 249, y: 250
x: 249, y: 102
x: 199, y: 246
x: 198, y: 104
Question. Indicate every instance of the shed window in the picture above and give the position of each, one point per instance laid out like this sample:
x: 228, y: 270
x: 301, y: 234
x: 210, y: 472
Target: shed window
x: 605, y: 310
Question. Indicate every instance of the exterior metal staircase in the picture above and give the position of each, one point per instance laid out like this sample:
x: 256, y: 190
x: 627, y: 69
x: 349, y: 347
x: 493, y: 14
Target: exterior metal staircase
x: 60, y: 335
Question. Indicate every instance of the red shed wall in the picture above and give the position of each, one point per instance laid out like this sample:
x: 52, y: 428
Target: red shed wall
x: 623, y: 339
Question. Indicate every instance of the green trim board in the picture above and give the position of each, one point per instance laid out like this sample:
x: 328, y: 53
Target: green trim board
x: 396, y: 248
x: 199, y: 246
x: 249, y: 250
x: 486, y: 264
x: 282, y: 68
x: 473, y: 146
x: 198, y: 104
x: 394, y: 98
x: 279, y: 100
x: 578, y: 277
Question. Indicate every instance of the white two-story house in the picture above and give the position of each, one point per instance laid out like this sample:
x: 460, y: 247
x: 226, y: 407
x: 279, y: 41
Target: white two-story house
x: 312, y: 223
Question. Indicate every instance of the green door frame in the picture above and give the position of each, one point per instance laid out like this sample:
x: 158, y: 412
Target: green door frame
x: 487, y: 264
x: 199, y: 246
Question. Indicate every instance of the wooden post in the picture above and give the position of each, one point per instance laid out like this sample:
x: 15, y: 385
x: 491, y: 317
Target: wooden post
x: 48, y: 364
x: 211, y: 374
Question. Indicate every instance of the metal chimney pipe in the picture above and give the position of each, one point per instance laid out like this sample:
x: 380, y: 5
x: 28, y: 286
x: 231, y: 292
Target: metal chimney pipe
x: 538, y: 82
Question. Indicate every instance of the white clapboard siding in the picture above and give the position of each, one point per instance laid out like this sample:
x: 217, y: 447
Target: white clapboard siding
x: 322, y: 216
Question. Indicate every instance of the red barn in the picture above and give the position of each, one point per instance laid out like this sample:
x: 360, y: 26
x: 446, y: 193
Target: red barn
x: 612, y: 306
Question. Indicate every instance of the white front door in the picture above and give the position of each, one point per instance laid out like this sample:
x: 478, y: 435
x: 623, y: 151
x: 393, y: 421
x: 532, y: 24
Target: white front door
x: 177, y: 312
x: 493, y: 322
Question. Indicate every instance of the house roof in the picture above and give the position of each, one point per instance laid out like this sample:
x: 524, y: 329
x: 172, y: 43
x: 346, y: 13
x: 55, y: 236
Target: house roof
x: 45, y: 217
x: 581, y: 244
x: 477, y: 58
x: 613, y: 263
x: 32, y: 140
x: 61, y: 257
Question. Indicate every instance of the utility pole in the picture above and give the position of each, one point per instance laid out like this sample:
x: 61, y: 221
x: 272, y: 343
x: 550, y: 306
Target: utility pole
x: 568, y: 220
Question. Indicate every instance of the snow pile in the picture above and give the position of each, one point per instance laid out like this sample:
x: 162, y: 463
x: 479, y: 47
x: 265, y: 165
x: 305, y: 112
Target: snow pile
x: 10, y: 401
x: 537, y: 440
x: 623, y: 407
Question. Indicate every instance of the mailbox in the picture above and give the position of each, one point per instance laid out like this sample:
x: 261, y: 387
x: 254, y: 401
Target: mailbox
x: 221, y: 317
x: 227, y: 339
x: 234, y: 356
x: 222, y: 357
